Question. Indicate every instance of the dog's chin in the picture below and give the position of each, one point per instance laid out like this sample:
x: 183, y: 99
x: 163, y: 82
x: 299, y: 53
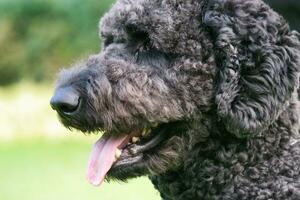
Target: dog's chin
x: 160, y: 152
x: 130, y: 168
x: 139, y: 153
x: 143, y: 151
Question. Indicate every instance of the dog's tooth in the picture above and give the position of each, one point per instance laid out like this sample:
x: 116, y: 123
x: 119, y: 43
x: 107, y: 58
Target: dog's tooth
x: 155, y: 125
x: 135, y: 139
x: 144, y: 132
x: 118, y: 153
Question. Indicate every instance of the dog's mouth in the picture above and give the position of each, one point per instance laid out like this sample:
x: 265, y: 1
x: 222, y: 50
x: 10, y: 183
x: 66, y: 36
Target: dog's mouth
x: 114, y: 152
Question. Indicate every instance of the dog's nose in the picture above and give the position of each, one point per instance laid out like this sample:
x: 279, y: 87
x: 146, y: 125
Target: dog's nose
x: 65, y: 100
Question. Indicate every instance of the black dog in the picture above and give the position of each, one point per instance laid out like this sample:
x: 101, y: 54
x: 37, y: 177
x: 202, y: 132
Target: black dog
x: 201, y: 95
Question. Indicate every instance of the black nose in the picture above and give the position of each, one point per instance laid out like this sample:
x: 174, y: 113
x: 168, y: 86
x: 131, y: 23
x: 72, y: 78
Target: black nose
x: 65, y: 100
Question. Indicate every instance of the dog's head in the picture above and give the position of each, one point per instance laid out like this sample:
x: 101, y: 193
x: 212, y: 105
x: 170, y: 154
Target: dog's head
x: 167, y: 69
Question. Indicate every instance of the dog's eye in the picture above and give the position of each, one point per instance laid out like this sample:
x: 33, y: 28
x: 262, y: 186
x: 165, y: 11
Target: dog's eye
x: 89, y: 80
x: 137, y: 35
x: 108, y: 40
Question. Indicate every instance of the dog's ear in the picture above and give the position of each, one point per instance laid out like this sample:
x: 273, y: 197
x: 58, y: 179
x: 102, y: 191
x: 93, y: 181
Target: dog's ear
x: 258, y: 61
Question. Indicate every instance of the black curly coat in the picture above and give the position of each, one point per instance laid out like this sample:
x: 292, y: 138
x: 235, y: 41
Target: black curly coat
x: 220, y: 79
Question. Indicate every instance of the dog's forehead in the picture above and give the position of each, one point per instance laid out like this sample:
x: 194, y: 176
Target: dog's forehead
x: 165, y: 21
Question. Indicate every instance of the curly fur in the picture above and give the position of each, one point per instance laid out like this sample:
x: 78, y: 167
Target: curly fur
x: 221, y: 75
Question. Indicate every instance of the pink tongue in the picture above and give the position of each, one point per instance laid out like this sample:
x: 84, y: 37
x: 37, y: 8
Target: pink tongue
x: 102, y: 158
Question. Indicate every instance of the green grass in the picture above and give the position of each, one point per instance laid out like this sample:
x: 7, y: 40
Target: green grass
x: 55, y: 170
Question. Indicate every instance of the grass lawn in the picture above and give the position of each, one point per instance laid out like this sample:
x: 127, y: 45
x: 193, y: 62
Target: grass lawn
x: 55, y: 170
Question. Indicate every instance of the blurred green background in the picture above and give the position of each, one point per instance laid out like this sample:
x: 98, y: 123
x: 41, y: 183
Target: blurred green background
x: 39, y: 159
x: 39, y: 36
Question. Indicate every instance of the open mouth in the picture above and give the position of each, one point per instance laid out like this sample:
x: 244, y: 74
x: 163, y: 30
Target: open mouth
x: 111, y: 152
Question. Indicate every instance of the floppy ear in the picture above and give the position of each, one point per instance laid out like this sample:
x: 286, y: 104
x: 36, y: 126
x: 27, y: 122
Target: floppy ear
x: 258, y: 60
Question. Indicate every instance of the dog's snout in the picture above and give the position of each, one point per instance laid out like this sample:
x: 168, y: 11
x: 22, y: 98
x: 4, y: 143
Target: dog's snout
x: 65, y: 100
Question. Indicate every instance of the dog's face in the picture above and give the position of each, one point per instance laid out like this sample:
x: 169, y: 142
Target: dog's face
x: 152, y: 78
x: 155, y: 86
